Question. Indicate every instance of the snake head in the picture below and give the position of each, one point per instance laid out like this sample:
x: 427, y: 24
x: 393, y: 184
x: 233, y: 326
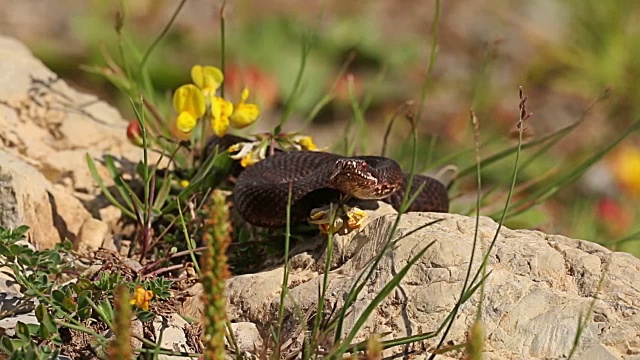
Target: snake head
x: 356, y: 178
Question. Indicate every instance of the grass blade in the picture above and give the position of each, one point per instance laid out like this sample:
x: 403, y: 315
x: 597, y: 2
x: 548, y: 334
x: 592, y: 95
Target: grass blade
x: 94, y: 173
x: 386, y: 290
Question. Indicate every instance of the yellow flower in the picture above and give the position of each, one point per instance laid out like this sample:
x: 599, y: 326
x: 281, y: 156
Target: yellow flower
x: 192, y: 102
x: 249, y: 153
x: 221, y: 109
x: 626, y: 169
x: 207, y: 78
x: 356, y: 217
x: 244, y: 114
x: 141, y: 298
x: 184, y: 183
x: 249, y: 160
x: 189, y: 103
x: 302, y: 142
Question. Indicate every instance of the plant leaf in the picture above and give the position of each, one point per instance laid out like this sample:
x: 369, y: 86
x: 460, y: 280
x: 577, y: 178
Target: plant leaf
x: 94, y: 173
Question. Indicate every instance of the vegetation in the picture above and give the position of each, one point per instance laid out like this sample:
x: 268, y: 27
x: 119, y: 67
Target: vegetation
x: 181, y: 223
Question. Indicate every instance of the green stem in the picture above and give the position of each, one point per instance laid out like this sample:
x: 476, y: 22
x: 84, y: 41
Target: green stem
x: 164, y: 32
x: 432, y: 59
x: 288, y: 107
x: 223, y: 47
x: 189, y: 240
x: 285, y: 275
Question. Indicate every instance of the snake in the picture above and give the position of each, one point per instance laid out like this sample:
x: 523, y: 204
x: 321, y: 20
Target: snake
x: 310, y: 179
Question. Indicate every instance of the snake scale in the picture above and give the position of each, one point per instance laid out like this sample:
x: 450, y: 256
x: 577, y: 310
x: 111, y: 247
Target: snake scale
x: 316, y: 178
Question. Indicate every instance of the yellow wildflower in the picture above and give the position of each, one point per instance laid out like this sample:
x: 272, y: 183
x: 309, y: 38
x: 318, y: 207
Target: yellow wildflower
x: 626, y: 169
x: 221, y: 109
x: 302, y: 142
x: 356, y: 217
x: 141, y: 298
x: 189, y: 103
x: 244, y: 114
x: 184, y: 183
x: 207, y: 78
x: 192, y: 102
x: 249, y: 160
x: 249, y: 153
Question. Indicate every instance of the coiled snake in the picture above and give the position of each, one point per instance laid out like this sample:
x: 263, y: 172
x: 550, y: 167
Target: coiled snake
x: 261, y: 191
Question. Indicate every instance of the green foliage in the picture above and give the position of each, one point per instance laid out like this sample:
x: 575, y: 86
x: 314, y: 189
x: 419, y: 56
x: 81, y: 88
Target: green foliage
x: 20, y: 350
x: 72, y: 305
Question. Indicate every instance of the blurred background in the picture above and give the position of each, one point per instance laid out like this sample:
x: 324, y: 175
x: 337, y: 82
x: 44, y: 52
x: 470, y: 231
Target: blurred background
x: 565, y: 54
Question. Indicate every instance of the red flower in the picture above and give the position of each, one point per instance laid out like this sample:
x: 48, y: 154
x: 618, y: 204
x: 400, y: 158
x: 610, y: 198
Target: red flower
x: 615, y: 218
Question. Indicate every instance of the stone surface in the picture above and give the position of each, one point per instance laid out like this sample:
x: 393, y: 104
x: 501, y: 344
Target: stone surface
x: 538, y: 289
x: 46, y: 121
x: 14, y: 309
x: 47, y: 129
x: 600, y: 352
x: 28, y: 198
x: 171, y: 332
x: 92, y: 235
x: 247, y: 337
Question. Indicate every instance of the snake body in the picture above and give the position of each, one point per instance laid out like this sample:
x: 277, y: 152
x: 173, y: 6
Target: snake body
x: 261, y: 192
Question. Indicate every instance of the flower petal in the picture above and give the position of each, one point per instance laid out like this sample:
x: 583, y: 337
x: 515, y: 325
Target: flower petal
x: 249, y: 160
x: 208, y: 78
x: 220, y: 125
x: 245, y: 95
x: 186, y: 122
x: 303, y: 142
x: 190, y: 99
x: 307, y: 143
x: 245, y: 115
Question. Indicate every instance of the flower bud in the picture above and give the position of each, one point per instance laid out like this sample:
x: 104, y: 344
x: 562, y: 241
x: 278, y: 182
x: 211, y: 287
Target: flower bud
x: 134, y: 133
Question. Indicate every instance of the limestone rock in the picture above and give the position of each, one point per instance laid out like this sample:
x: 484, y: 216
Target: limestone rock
x: 171, y: 331
x: 92, y: 235
x: 539, y: 287
x: 46, y: 131
x: 27, y: 198
x: 53, y: 127
x: 247, y: 337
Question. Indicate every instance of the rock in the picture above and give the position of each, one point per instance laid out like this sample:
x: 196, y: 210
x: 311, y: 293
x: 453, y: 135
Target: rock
x: 171, y: 332
x: 110, y: 244
x: 69, y: 212
x: 8, y: 324
x: 41, y: 117
x: 7, y: 282
x: 52, y: 127
x: 28, y: 198
x: 47, y: 129
x: 137, y: 332
x: 247, y: 337
x: 14, y: 309
x: 24, y: 200
x: 600, y: 352
x: 92, y: 235
x: 538, y: 288
x: 111, y: 215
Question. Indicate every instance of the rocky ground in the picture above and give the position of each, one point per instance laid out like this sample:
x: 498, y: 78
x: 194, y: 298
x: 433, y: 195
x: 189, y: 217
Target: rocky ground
x: 540, y: 285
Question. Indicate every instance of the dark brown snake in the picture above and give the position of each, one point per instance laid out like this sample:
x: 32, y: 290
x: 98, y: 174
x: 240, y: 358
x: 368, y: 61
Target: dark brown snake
x: 262, y: 190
